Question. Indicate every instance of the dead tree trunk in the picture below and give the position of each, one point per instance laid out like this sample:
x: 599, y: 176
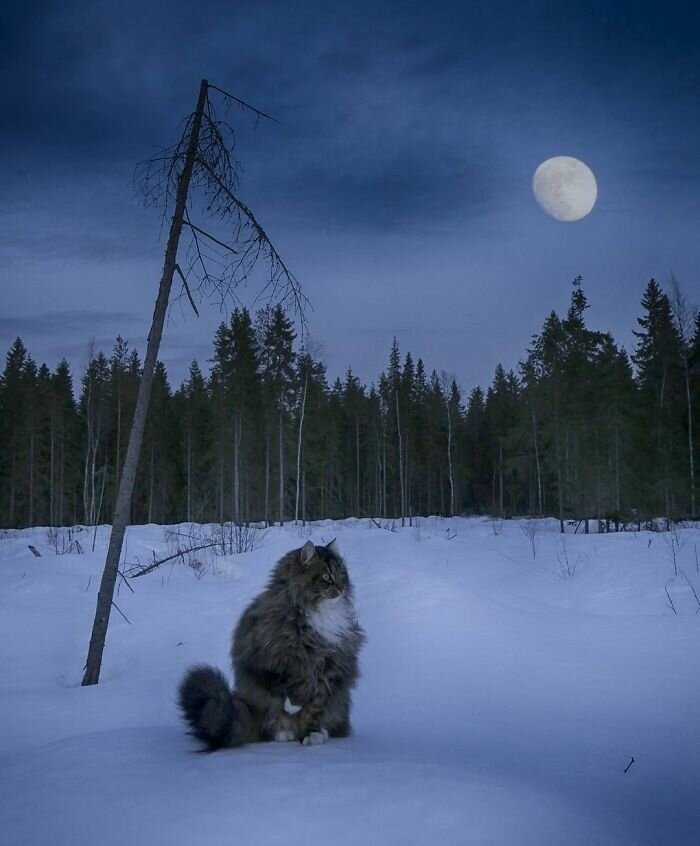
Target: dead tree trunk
x: 281, y: 463
x: 267, y: 476
x: 537, y: 464
x: 126, y: 486
x: 299, y: 439
x: 201, y: 150
x: 401, y: 468
x: 449, y: 459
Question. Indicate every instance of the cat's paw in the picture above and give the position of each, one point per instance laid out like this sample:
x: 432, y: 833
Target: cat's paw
x: 315, y: 738
x: 290, y: 708
x: 284, y: 736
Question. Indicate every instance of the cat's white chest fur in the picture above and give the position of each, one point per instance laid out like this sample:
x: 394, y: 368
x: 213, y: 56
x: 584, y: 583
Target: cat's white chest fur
x: 333, y: 619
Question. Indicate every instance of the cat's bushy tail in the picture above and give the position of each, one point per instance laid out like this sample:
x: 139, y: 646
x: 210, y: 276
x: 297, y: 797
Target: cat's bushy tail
x: 215, y: 714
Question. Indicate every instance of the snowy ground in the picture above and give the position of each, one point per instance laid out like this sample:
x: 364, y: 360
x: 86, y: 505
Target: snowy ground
x: 500, y: 703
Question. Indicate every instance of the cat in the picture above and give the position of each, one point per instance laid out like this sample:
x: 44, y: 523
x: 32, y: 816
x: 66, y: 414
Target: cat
x: 295, y: 660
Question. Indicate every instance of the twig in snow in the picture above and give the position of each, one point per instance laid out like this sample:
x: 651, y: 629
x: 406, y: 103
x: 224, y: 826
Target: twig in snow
x: 135, y: 573
x: 670, y: 601
x: 124, y: 581
x: 630, y: 763
x: 690, y: 585
x: 530, y: 528
x: 35, y: 551
x: 674, y: 541
x: 114, y: 604
x: 387, y: 528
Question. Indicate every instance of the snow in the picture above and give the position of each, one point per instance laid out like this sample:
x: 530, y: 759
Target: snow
x: 500, y: 701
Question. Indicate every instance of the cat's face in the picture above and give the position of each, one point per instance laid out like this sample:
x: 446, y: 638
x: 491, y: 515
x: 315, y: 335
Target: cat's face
x: 324, y: 571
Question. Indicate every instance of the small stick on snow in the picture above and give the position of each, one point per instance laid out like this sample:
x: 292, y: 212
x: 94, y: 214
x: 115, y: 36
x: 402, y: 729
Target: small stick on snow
x: 630, y: 763
x: 35, y: 551
x: 114, y: 605
x: 124, y: 581
x: 690, y: 585
x: 670, y: 601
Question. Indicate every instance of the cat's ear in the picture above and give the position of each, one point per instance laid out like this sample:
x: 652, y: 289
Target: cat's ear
x: 306, y: 553
x: 333, y: 547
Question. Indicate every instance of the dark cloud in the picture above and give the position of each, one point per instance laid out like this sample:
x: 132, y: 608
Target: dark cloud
x: 405, y: 188
x: 408, y: 137
x: 65, y: 323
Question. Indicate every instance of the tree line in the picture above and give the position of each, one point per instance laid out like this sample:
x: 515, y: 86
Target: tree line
x: 581, y: 430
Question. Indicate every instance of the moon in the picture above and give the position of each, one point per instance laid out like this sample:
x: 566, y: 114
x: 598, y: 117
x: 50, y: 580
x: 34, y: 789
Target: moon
x: 565, y: 188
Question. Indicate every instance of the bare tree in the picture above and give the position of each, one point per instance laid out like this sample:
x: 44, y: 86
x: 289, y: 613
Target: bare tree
x: 299, y: 439
x: 201, y: 159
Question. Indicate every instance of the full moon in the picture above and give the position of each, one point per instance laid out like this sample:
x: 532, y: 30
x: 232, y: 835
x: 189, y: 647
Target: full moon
x: 565, y: 188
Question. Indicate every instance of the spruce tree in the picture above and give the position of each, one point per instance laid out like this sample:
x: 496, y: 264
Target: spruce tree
x: 94, y: 413
x: 13, y: 404
x: 65, y: 449
x: 657, y: 359
x: 196, y: 425
x: 277, y: 371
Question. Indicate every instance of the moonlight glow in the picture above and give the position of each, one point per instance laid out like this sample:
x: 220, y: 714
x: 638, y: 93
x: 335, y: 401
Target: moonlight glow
x: 565, y: 188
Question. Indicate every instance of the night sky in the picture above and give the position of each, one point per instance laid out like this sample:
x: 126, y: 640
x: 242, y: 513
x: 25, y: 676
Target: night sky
x: 397, y: 185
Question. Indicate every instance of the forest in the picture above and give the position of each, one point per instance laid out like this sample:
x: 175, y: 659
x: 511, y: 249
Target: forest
x: 582, y: 430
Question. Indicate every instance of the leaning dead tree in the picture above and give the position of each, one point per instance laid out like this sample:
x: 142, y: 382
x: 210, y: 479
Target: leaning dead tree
x: 200, y: 165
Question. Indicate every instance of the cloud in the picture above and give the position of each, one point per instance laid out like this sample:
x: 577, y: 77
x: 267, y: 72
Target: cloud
x: 65, y: 323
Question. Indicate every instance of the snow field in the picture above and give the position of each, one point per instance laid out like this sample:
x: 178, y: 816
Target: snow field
x: 500, y: 702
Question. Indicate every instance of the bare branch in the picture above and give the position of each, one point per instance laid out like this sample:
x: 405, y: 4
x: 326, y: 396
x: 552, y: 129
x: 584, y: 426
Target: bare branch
x: 668, y: 596
x: 187, y: 288
x: 691, y: 586
x: 114, y: 605
x: 135, y: 573
x: 242, y: 103
x: 282, y: 283
x: 219, y: 268
x: 227, y: 247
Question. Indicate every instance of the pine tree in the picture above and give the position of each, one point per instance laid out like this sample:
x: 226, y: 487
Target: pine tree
x: 246, y: 398
x: 684, y: 319
x: 277, y: 370
x: 354, y: 402
x: 65, y: 449
x: 657, y: 359
x: 196, y: 423
x: 501, y: 411
x: 393, y: 387
x: 544, y: 368
x: 13, y: 403
x: 478, y: 458
x: 159, y: 466
x: 32, y: 422
x: 582, y: 447
x: 611, y: 422
x: 315, y: 433
x: 124, y: 382
x: 94, y: 412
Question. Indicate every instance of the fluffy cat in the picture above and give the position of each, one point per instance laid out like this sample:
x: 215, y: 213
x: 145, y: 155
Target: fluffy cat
x: 295, y: 659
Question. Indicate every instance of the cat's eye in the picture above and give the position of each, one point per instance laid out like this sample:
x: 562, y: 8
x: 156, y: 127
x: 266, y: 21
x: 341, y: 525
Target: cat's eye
x: 326, y: 577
